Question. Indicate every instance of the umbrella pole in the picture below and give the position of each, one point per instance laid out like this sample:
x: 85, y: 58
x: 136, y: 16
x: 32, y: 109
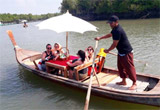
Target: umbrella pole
x: 67, y: 43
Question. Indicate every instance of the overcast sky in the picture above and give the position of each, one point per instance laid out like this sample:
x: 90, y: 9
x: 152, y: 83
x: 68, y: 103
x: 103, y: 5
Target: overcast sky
x: 29, y: 6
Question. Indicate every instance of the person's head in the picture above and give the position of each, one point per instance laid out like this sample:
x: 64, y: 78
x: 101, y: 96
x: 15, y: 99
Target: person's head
x: 56, y: 46
x: 81, y: 54
x: 90, y: 49
x: 48, y: 47
x: 113, y: 21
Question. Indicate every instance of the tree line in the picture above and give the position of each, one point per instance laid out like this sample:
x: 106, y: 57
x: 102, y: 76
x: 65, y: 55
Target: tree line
x: 96, y: 10
x: 101, y: 9
x: 17, y: 18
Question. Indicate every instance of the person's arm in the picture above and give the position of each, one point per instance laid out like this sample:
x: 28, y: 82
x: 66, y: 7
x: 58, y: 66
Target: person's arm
x: 43, y: 56
x: 114, y: 44
x: 55, y: 55
x: 61, y: 50
x: 104, y: 37
x: 86, y: 54
x: 74, y: 64
x: 91, y: 59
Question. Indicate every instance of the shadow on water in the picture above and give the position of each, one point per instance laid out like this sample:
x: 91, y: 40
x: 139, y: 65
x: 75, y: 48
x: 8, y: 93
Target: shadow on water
x: 72, y: 99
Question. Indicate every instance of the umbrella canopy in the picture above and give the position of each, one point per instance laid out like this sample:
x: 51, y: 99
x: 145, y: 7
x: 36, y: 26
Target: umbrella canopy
x: 66, y: 23
x: 24, y: 21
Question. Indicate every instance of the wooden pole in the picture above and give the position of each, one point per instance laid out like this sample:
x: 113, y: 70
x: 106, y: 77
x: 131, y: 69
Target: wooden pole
x: 67, y: 44
x: 133, y: 59
x: 90, y: 82
x: 94, y: 71
x: 66, y: 40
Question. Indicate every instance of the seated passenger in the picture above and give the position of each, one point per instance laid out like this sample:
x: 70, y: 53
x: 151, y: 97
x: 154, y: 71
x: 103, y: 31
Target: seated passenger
x: 76, y: 62
x: 46, y: 55
x: 89, y: 57
x: 57, y: 50
x: 89, y: 53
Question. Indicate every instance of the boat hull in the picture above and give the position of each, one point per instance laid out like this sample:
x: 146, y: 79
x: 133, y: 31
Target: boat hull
x: 148, y: 97
x: 104, y: 93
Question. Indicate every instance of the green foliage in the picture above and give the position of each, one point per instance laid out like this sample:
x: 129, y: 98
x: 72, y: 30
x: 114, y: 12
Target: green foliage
x: 143, y: 5
x: 99, y: 7
x: 69, y: 5
x: 15, y: 18
x: 94, y: 8
x: 103, y: 7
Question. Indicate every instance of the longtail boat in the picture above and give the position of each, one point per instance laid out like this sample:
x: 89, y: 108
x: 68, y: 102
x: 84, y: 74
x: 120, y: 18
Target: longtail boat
x: 147, y: 91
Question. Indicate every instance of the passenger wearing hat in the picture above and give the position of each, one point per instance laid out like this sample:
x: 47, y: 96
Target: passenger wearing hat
x: 125, y: 52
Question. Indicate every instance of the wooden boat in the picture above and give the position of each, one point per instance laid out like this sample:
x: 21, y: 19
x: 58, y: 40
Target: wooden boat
x: 148, y: 86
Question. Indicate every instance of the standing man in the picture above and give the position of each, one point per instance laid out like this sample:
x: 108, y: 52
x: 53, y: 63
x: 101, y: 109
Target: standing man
x: 125, y: 56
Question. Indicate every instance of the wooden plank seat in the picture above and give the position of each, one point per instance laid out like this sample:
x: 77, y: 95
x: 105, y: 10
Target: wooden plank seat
x: 33, y: 60
x: 104, y: 78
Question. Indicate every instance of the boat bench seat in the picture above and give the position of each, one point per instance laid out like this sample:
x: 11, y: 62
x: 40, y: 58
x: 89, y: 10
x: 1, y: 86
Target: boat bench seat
x: 34, y: 59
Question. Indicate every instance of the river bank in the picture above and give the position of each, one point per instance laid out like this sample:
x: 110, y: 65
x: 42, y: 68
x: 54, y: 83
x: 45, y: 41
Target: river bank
x: 131, y: 15
x: 15, y: 18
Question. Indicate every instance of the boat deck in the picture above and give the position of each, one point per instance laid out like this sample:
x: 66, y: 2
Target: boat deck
x: 108, y: 80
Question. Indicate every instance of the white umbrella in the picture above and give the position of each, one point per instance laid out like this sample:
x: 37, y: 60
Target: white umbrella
x: 24, y: 21
x: 66, y: 23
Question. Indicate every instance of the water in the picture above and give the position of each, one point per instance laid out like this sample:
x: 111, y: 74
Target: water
x: 21, y: 90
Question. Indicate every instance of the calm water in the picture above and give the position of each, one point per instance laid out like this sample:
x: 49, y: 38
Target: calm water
x: 21, y: 90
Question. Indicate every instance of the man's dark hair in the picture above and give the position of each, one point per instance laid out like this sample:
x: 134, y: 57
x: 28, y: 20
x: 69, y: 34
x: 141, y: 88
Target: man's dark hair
x: 48, y: 45
x: 113, y: 18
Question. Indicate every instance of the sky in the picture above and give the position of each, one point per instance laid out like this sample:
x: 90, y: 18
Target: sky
x: 30, y: 6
